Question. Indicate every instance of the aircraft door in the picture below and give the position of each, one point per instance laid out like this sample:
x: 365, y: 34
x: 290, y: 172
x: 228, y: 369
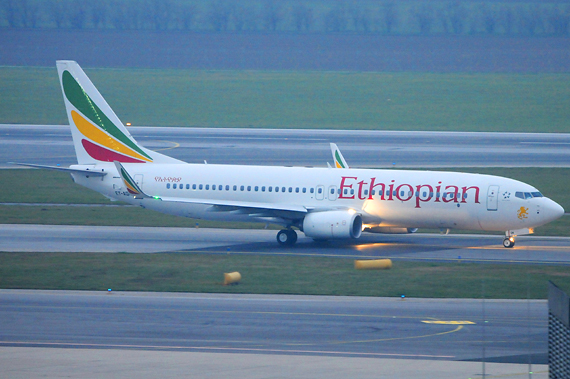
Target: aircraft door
x: 320, y: 192
x: 493, y: 198
x: 333, y: 194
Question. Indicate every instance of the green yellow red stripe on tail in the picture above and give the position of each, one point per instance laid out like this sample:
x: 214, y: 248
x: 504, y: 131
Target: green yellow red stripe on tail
x: 103, y: 140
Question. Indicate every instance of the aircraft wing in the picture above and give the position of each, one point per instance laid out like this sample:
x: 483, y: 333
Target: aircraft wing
x: 252, y: 209
x: 65, y: 169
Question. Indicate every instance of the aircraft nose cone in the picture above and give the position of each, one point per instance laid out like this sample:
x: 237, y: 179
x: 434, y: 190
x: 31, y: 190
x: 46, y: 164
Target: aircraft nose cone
x: 553, y: 210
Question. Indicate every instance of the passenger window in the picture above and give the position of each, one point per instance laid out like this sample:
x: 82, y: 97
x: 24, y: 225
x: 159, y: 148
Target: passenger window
x: 320, y: 190
x: 241, y: 188
x: 282, y: 189
x: 270, y: 189
x: 332, y: 191
x: 276, y: 189
x: 174, y: 186
x: 200, y: 187
x: 304, y: 190
x: 235, y: 188
x: 207, y: 187
x: 220, y: 187
x: 168, y: 185
x: 227, y: 188
x: 290, y: 189
x: 248, y: 188
x: 256, y: 188
x: 312, y: 190
x: 181, y: 186
x: 366, y: 192
x: 214, y: 187
x: 194, y: 186
x: 297, y: 189
x: 263, y: 189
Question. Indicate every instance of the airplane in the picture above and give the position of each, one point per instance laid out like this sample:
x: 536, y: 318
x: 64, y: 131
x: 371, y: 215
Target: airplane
x: 324, y: 203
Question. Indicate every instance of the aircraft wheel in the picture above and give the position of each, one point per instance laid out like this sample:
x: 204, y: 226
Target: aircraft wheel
x: 287, y: 237
x: 508, y: 243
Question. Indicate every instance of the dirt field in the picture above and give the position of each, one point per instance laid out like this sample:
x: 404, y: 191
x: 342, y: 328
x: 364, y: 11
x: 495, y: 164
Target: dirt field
x: 321, y: 52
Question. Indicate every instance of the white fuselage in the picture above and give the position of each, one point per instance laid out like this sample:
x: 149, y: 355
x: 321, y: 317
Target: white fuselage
x: 385, y: 198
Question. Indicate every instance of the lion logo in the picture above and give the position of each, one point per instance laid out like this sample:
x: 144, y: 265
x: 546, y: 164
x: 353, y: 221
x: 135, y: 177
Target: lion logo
x: 522, y: 213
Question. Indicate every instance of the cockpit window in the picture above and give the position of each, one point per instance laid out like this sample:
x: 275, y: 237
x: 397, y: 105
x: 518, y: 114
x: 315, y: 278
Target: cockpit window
x: 527, y: 195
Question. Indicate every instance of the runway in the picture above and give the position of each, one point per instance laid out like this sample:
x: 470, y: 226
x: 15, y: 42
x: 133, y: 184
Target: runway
x: 270, y: 333
x: 52, y: 145
x: 417, y: 246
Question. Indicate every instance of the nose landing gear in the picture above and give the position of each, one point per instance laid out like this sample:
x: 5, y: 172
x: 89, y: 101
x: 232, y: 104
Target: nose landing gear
x: 509, y: 241
x: 287, y: 237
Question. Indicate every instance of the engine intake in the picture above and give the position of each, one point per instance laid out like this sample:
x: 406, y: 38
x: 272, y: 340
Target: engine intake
x: 333, y: 224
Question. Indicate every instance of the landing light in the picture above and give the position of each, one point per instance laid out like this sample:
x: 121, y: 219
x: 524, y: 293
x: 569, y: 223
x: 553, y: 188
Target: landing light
x: 128, y: 124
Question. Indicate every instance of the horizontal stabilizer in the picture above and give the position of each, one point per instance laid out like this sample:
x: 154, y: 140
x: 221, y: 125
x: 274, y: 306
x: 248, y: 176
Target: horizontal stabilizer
x: 65, y: 169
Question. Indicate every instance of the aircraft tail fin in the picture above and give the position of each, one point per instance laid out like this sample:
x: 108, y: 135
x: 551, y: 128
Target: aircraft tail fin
x: 98, y: 134
x: 339, y: 161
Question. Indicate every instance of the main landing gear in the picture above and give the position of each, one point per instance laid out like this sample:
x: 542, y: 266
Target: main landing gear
x: 287, y: 237
x: 509, y: 241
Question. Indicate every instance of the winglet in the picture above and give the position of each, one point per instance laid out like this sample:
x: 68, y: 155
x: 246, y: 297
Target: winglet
x: 339, y: 161
x: 131, y: 185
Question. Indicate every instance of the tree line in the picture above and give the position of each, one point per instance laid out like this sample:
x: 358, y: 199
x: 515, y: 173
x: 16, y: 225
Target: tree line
x: 388, y: 17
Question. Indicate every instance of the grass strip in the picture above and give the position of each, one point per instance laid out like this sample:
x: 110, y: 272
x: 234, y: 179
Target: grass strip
x: 203, y: 273
x: 309, y: 100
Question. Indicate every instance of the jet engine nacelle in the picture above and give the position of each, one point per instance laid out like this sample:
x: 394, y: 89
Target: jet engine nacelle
x: 332, y: 224
x: 390, y: 230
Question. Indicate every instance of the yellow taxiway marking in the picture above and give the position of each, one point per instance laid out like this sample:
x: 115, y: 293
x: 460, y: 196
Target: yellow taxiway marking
x: 176, y: 144
x: 449, y: 322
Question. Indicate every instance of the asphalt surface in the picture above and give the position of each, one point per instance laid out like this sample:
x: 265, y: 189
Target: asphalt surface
x: 417, y: 246
x: 52, y: 145
x: 493, y: 331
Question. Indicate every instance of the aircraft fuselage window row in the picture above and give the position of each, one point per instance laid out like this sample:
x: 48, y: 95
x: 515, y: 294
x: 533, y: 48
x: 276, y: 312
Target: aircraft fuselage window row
x: 214, y: 187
